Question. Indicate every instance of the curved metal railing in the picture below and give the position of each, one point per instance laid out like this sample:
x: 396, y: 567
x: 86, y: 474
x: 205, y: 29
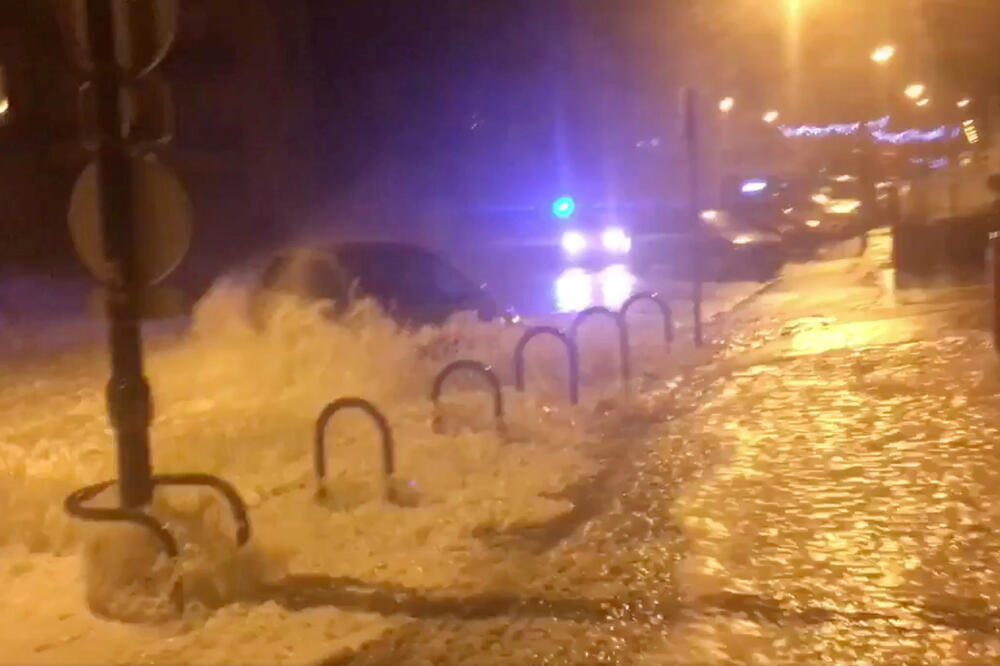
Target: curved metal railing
x: 388, y: 447
x: 623, y: 344
x: 481, y: 369
x: 573, y: 357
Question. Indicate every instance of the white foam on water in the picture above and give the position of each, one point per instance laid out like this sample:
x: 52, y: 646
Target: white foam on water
x: 241, y: 403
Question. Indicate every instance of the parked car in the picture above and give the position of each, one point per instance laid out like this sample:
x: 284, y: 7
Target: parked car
x: 806, y: 213
x: 413, y: 285
x: 735, y: 248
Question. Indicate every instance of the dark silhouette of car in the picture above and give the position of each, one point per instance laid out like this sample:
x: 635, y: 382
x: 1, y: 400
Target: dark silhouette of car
x: 412, y: 284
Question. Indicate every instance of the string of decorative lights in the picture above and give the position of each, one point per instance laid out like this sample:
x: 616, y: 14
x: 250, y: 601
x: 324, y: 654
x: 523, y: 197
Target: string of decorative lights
x: 877, y: 129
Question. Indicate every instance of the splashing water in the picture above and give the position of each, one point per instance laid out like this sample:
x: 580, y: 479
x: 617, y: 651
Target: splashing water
x: 241, y: 403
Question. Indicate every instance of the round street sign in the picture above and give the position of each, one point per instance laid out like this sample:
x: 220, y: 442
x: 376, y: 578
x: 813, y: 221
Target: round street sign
x: 162, y: 215
x: 144, y: 32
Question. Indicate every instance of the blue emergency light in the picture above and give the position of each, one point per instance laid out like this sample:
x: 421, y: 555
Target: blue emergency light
x: 563, y: 207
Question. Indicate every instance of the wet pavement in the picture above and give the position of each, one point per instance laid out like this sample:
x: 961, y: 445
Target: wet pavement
x: 827, y: 491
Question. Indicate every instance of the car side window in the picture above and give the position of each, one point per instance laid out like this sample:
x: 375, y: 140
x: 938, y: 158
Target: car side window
x: 425, y: 279
x: 448, y: 281
x: 407, y: 277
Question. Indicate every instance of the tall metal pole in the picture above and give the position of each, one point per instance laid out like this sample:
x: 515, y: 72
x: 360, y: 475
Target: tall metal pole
x: 993, y: 266
x: 128, y: 395
x: 689, y: 112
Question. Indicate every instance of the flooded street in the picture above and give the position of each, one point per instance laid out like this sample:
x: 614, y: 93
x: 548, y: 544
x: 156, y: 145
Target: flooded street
x: 825, y: 489
x: 562, y: 333
x: 799, y: 507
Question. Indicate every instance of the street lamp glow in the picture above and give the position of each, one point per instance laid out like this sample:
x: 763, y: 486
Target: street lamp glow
x: 915, y: 90
x: 962, y: 103
x: 770, y: 117
x: 883, y: 54
x: 4, y: 106
x: 923, y: 102
x: 726, y: 104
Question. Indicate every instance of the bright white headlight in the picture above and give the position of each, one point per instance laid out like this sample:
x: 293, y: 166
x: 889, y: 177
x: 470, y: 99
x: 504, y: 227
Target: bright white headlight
x: 616, y: 240
x: 573, y: 242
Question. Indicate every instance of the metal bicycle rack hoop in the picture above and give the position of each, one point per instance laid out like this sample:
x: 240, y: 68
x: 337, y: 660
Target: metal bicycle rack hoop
x: 572, y: 353
x: 385, y: 431
x: 481, y: 369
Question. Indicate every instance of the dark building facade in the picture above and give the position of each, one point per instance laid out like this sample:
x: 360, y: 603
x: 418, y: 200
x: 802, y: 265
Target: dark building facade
x: 237, y: 74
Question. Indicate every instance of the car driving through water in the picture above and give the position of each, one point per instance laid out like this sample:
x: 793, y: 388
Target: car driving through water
x: 413, y: 285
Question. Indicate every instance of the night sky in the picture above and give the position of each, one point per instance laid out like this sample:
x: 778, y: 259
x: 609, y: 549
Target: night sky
x: 477, y: 102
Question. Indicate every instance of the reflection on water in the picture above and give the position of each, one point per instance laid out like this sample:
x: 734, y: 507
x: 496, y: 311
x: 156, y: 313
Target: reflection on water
x: 577, y: 289
x: 859, y: 484
x: 617, y: 284
x: 573, y: 290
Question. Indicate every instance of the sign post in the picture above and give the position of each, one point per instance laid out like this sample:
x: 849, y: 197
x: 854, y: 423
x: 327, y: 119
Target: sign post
x: 129, y: 403
x: 994, y: 268
x: 130, y: 218
x: 130, y: 221
x: 689, y: 104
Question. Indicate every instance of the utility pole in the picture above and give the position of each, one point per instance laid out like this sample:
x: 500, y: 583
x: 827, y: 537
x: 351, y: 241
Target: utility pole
x: 689, y: 120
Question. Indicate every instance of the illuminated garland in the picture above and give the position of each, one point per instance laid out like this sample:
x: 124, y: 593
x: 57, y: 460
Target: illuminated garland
x: 814, y: 132
x: 876, y: 129
x: 837, y: 129
x: 916, y: 136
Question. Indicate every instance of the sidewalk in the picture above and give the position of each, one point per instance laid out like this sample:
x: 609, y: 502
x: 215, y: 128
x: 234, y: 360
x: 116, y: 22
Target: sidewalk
x: 854, y: 516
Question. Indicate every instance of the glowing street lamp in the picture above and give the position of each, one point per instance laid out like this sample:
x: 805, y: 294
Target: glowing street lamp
x: 915, y: 91
x: 883, y: 54
x: 923, y: 102
x: 962, y: 103
x: 726, y: 104
x: 4, y: 100
x: 770, y: 117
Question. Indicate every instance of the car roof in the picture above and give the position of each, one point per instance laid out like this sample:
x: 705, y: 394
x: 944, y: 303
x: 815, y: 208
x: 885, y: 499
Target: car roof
x: 357, y: 246
x: 379, y: 245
